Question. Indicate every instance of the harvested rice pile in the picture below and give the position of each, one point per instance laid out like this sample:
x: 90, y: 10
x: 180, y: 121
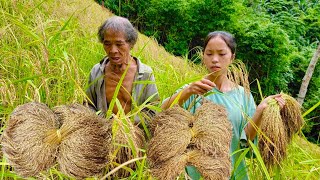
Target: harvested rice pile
x: 278, y: 127
x: 36, y: 138
x: 181, y: 139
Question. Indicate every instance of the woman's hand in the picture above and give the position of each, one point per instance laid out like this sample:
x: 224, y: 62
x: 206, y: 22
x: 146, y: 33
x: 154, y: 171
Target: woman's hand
x: 200, y: 87
x: 250, y: 129
x: 277, y: 97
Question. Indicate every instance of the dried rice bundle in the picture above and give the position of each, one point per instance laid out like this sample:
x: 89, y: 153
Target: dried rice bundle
x: 128, y: 140
x: 85, y: 141
x: 213, y: 130
x: 210, y: 167
x: 273, y: 143
x: 164, y: 118
x: 33, y: 141
x: 23, y: 140
x: 291, y: 116
x: 171, y: 133
x: 169, y: 142
x: 179, y: 136
x: 171, y: 168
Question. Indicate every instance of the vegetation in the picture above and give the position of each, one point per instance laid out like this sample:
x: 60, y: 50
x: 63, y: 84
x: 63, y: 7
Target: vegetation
x: 48, y: 48
x: 276, y: 39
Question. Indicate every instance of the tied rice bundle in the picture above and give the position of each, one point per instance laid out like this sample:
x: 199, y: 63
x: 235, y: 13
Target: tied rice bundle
x: 171, y: 168
x: 80, y: 145
x: 171, y: 115
x: 212, y: 129
x: 278, y: 126
x: 182, y: 139
x: 22, y: 142
x: 85, y: 142
x: 211, y: 167
x: 172, y: 134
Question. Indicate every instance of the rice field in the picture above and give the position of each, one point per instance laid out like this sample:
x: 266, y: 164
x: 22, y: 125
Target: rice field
x: 47, y: 49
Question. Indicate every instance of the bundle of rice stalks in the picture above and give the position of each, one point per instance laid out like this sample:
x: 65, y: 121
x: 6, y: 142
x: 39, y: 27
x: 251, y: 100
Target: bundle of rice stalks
x: 171, y: 168
x: 168, y: 143
x: 33, y: 141
x: 179, y: 136
x: 23, y: 140
x: 84, y: 143
x: 128, y: 141
x: 291, y: 115
x: 213, y: 130
x: 211, y: 167
x: 164, y: 118
x: 273, y: 143
x: 279, y: 126
x: 172, y: 134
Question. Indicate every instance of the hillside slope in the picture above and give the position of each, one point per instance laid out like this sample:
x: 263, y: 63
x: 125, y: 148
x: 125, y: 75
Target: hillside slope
x: 48, y: 48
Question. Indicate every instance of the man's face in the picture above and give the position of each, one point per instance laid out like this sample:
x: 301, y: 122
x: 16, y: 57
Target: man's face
x: 116, y: 47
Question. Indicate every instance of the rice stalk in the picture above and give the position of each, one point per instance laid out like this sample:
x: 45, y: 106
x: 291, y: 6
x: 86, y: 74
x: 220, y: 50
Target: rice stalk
x: 171, y: 133
x: 127, y: 142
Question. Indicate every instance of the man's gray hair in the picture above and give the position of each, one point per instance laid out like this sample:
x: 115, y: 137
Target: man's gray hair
x: 120, y: 24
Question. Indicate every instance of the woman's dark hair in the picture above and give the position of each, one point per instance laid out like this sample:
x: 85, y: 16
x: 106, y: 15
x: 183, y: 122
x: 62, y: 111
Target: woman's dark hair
x: 227, y: 37
x: 119, y: 24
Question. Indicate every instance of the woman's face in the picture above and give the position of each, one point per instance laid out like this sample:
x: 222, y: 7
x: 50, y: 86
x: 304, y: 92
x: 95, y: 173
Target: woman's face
x: 217, y: 55
x: 116, y: 47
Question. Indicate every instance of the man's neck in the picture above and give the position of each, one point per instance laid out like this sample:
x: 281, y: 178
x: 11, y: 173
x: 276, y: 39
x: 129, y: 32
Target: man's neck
x: 120, y: 68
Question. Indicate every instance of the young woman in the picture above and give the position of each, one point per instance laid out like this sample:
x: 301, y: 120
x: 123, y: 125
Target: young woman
x: 218, y: 54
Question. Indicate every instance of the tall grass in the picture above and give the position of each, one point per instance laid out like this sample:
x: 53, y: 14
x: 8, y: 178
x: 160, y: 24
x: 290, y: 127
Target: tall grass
x: 47, y: 48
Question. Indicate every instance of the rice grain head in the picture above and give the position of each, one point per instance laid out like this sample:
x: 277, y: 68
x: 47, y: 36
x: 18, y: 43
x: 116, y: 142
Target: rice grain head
x: 273, y: 142
x: 171, y: 135
x: 23, y: 142
x: 164, y: 118
x: 211, y: 167
x: 170, y: 169
x: 291, y: 116
x: 213, y: 130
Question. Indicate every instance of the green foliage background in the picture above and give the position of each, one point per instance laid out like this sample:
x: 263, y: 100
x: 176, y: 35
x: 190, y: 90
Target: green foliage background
x: 276, y: 39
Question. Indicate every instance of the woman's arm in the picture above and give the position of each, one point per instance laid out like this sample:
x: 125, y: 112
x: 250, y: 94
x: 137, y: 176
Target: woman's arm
x: 198, y: 87
x: 251, y: 130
